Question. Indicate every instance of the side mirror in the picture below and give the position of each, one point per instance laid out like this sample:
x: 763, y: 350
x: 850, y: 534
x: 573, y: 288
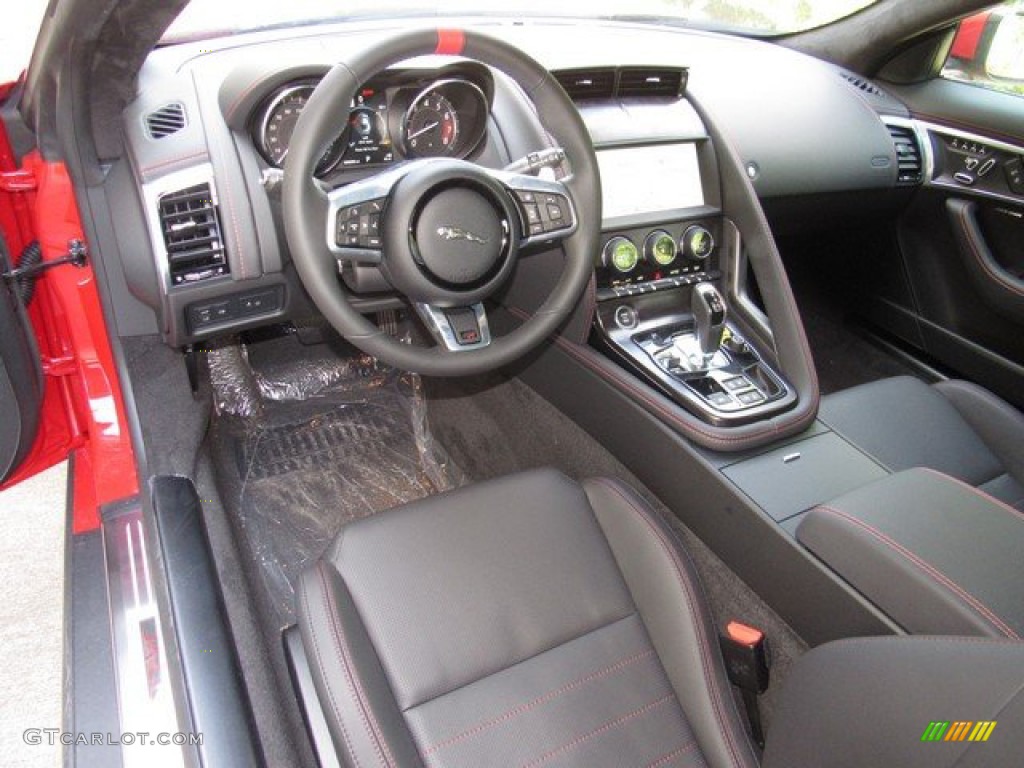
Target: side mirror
x: 989, y: 49
x: 1004, y: 59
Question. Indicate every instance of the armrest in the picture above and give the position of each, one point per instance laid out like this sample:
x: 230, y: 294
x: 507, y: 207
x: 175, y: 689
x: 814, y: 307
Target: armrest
x: 870, y: 701
x: 935, y: 554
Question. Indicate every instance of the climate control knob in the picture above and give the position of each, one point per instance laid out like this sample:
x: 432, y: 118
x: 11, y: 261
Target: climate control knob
x: 660, y: 249
x: 621, y: 254
x: 697, y: 243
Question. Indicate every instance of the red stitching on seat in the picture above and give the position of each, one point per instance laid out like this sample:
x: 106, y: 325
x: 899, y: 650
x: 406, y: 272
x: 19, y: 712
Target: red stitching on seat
x: 327, y: 684
x: 669, y: 757
x: 977, y: 491
x: 929, y: 569
x: 699, y: 628
x: 543, y: 699
x: 598, y: 731
x: 354, y: 684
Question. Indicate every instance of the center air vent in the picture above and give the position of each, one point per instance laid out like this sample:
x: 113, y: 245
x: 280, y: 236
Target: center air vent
x: 191, y: 230
x: 652, y: 83
x: 583, y: 84
x: 623, y: 83
x: 169, y: 119
x: 908, y: 154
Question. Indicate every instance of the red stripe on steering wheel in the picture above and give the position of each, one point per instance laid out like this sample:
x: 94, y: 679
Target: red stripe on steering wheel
x: 450, y: 42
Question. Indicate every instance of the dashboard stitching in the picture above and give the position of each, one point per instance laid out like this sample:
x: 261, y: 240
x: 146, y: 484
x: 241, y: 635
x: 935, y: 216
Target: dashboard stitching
x: 173, y: 161
x: 773, y: 255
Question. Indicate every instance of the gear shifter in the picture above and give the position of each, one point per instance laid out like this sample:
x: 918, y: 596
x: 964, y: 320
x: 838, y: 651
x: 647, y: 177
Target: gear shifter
x: 708, y: 309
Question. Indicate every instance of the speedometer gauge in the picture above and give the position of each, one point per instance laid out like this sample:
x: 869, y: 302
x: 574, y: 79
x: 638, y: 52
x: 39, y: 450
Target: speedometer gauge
x: 431, y: 126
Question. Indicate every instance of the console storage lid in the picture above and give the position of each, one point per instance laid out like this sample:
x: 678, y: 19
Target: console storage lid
x: 936, y: 555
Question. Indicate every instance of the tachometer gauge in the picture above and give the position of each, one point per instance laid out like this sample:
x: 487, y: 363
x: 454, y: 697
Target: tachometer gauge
x: 279, y: 123
x: 431, y: 127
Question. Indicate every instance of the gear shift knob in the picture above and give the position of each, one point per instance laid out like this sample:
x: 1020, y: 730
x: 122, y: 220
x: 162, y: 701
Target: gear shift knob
x: 709, y: 312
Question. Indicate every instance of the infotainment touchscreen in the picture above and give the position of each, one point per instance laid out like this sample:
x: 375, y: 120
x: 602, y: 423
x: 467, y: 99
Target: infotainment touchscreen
x: 649, y: 179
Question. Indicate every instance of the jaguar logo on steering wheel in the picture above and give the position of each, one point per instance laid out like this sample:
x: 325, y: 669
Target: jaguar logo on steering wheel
x: 457, y: 233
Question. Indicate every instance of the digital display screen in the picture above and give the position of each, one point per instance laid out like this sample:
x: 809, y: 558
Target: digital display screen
x: 650, y: 179
x: 367, y: 141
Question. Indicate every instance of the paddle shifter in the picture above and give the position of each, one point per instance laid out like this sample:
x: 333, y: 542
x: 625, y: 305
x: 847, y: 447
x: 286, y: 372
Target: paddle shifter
x: 708, y: 309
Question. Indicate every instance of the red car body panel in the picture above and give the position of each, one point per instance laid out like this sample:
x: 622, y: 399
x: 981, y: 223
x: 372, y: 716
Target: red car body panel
x: 83, y: 409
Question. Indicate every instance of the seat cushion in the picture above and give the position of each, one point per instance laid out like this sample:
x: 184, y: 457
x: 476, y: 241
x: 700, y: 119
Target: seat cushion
x: 524, y: 621
x: 953, y: 427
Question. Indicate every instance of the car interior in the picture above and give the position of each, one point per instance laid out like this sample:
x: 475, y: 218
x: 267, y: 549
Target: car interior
x: 545, y: 390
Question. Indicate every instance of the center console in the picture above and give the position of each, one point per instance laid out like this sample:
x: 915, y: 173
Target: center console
x: 663, y: 310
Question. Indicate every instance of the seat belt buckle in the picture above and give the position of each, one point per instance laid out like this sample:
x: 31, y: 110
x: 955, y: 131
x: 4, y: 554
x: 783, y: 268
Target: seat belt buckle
x: 747, y: 658
x: 745, y: 650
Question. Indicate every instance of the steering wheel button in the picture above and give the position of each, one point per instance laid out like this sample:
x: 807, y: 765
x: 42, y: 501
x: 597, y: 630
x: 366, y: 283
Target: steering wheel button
x: 537, y: 229
x: 526, y: 197
x: 532, y: 213
x: 554, y: 211
x: 374, y: 242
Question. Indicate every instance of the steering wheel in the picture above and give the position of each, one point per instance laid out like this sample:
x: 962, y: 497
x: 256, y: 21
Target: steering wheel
x: 445, y: 233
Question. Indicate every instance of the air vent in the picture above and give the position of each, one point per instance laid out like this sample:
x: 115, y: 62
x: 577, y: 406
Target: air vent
x: 908, y: 154
x: 583, y: 84
x: 861, y: 84
x: 169, y: 119
x: 191, y: 231
x: 652, y: 83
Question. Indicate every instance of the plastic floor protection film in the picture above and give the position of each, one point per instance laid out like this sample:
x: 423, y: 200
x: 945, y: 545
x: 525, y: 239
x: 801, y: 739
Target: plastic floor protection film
x: 312, y: 445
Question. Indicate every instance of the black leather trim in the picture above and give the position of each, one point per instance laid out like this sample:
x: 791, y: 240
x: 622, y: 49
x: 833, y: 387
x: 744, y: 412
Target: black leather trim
x: 935, y: 554
x: 902, y: 423
x: 671, y: 602
x: 362, y: 715
x: 998, y: 424
x: 867, y: 702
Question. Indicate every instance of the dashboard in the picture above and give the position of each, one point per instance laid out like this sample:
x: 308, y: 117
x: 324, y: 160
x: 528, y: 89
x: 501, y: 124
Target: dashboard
x: 209, y: 130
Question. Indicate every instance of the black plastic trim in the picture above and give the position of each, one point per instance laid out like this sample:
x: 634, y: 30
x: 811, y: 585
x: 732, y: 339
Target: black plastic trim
x: 217, y: 697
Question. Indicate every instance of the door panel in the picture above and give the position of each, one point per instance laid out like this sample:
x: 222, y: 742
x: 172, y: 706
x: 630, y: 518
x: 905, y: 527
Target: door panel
x: 962, y: 236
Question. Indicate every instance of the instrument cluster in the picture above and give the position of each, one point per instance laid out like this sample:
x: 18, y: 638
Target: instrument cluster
x: 396, y: 116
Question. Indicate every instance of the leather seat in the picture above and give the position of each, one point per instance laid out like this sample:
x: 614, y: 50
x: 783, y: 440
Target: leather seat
x: 954, y: 427
x: 532, y: 621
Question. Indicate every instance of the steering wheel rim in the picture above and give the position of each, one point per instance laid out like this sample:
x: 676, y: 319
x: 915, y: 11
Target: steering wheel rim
x: 305, y: 203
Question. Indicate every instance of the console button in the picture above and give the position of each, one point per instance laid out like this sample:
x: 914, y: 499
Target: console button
x: 750, y: 398
x: 626, y: 317
x: 736, y: 383
x: 719, y: 398
x: 1014, y: 171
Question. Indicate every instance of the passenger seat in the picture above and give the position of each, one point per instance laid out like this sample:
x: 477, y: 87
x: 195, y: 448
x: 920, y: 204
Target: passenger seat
x: 954, y: 427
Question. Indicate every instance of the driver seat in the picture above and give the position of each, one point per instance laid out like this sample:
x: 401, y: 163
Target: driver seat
x: 533, y: 621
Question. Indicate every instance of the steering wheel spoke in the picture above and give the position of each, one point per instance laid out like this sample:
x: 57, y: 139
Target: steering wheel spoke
x: 545, y: 207
x: 457, y: 329
x: 354, y: 213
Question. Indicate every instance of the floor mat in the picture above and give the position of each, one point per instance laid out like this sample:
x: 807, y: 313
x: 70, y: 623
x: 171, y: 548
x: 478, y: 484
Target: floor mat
x: 346, y: 438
